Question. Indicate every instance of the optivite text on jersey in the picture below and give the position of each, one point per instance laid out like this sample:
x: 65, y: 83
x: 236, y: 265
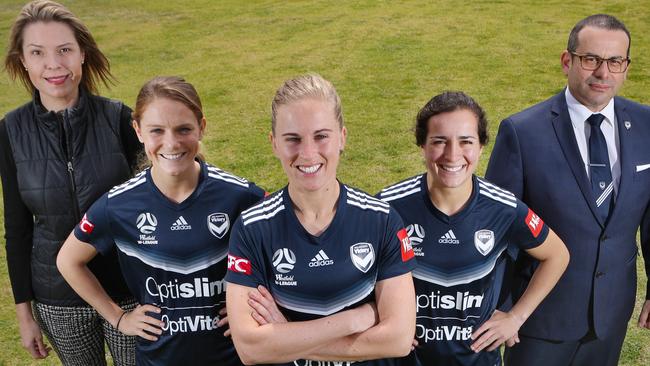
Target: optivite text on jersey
x: 189, y: 323
x: 443, y: 333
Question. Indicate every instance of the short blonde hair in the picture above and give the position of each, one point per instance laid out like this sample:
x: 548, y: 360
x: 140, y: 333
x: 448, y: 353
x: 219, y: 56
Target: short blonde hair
x: 306, y: 86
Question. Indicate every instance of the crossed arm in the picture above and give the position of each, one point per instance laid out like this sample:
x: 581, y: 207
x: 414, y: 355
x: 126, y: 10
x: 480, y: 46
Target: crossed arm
x: 351, y: 335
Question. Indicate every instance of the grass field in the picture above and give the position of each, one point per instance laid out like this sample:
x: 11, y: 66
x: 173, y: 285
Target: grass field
x: 386, y: 58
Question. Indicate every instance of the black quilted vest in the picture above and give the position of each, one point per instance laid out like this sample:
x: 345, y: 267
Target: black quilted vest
x: 65, y: 162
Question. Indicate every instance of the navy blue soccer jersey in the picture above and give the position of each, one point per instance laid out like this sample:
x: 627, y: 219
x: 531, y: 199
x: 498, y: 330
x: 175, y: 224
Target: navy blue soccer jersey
x: 460, y: 264
x: 365, y: 243
x: 173, y: 255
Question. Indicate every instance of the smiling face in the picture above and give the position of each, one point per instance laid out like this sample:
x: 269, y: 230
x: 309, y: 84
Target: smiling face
x: 594, y: 89
x: 452, y: 149
x: 308, y: 141
x: 170, y: 133
x: 53, y: 60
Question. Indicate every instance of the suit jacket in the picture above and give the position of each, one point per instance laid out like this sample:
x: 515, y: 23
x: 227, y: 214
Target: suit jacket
x: 536, y: 157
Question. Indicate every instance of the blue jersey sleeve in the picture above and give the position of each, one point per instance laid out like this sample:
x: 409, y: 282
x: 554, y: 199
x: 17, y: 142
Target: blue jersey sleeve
x: 255, y: 194
x: 396, y: 256
x: 245, y: 258
x: 94, y: 227
x: 527, y: 230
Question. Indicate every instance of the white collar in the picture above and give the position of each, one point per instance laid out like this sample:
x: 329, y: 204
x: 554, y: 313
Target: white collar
x: 581, y: 112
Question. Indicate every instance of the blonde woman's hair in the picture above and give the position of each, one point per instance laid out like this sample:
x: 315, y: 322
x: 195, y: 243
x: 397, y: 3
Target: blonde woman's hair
x: 303, y: 87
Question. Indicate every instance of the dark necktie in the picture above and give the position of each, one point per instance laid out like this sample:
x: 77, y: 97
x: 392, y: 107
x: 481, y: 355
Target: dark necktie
x: 599, y: 170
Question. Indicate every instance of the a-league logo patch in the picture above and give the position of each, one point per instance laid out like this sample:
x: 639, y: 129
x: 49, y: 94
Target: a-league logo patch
x: 416, y: 237
x: 484, y: 241
x: 363, y: 256
x: 284, y: 260
x: 218, y: 224
x: 146, y: 223
x: 416, y: 234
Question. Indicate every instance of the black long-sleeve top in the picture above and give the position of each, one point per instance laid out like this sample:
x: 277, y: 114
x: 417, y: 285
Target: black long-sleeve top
x: 19, y: 221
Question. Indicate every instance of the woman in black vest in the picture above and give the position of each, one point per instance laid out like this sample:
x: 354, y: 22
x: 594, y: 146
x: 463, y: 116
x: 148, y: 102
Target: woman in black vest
x: 58, y: 154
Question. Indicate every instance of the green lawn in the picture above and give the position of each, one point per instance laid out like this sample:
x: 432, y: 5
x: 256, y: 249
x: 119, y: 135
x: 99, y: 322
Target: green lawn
x: 387, y: 58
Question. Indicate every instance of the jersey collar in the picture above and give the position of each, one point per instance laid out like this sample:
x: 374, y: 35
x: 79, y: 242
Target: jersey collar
x: 333, y: 227
x: 458, y: 216
x: 189, y: 200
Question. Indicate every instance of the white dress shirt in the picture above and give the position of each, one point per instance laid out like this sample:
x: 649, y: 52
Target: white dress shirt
x: 582, y: 130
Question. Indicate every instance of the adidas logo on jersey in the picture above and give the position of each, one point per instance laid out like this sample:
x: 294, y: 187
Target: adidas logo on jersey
x: 449, y: 238
x: 320, y: 259
x: 180, y: 224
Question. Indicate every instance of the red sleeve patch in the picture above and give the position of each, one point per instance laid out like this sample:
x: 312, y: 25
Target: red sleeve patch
x: 405, y: 245
x: 534, y: 222
x: 239, y: 265
x: 85, y: 225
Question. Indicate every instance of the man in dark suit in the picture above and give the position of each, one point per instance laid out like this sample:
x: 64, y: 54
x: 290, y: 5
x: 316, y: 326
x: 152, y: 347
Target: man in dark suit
x: 581, y: 160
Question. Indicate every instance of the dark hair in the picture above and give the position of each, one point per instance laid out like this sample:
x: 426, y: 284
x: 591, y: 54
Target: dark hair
x: 169, y: 87
x: 603, y: 21
x: 449, y: 101
x: 95, y: 66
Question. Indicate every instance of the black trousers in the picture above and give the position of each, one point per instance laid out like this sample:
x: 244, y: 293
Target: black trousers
x: 588, y: 351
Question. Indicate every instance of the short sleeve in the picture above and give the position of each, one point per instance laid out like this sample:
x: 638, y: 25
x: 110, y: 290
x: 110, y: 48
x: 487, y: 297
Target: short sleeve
x: 255, y: 194
x: 94, y: 227
x: 527, y: 230
x: 397, y: 256
x: 245, y: 264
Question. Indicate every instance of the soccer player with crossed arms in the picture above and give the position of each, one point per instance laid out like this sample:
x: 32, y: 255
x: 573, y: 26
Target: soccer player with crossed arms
x: 336, y: 260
